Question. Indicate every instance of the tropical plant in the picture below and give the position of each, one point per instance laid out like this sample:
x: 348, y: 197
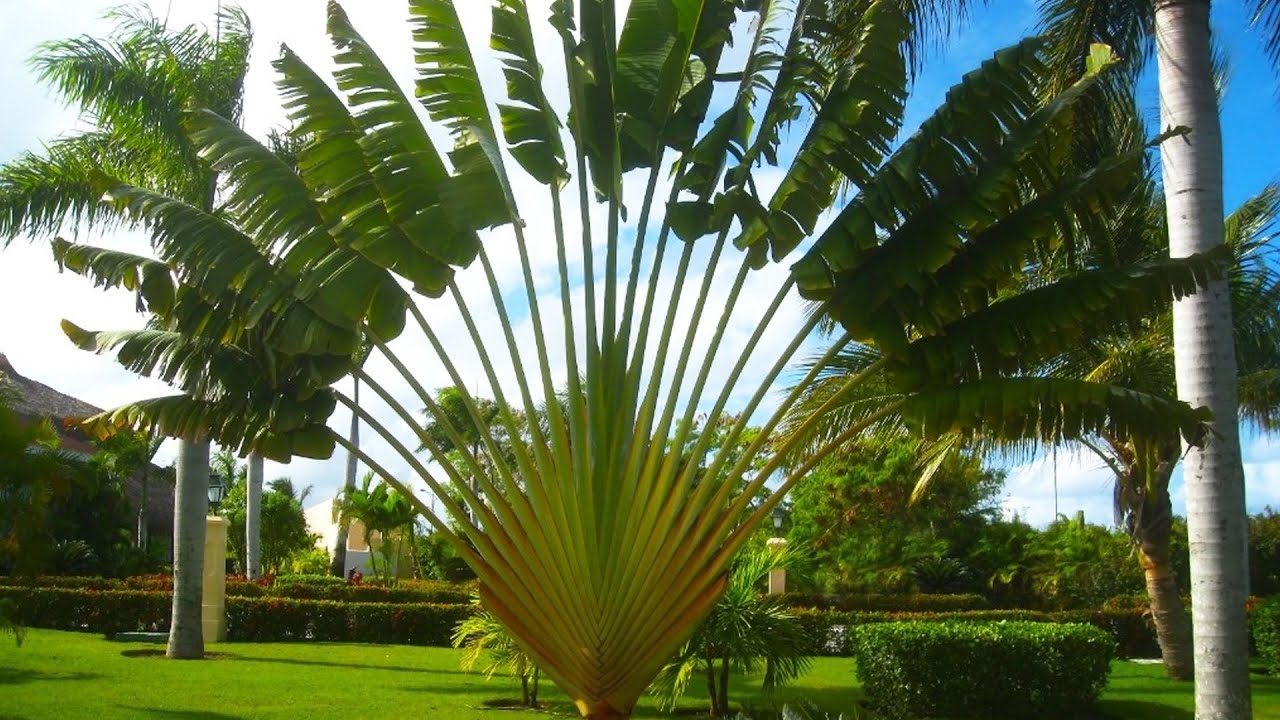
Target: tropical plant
x: 1145, y: 361
x: 572, y: 540
x: 747, y: 632
x: 483, y: 637
x: 1202, y: 324
x: 132, y: 89
x: 1138, y: 356
x: 35, y: 475
x: 128, y: 455
x: 389, y: 520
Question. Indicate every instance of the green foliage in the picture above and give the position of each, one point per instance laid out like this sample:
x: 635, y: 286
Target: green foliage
x: 296, y: 587
x: 918, y: 602
x: 439, y: 560
x: 855, y: 511
x: 320, y: 579
x: 1264, y: 552
x: 249, y: 619
x: 746, y: 632
x: 1069, y: 565
x: 982, y: 670
x: 37, y: 480
x: 831, y: 632
x: 484, y: 638
x: 1264, y: 623
x: 310, y: 560
x: 283, y: 524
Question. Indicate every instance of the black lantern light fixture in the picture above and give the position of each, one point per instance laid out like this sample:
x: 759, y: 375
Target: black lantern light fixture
x: 779, y: 517
x: 217, y: 491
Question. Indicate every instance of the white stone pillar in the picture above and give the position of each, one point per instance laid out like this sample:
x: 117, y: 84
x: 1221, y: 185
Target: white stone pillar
x: 214, y: 606
x: 777, y: 576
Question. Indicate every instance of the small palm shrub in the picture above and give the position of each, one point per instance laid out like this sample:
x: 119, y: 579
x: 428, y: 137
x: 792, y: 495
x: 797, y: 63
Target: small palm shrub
x: 484, y: 638
x: 941, y: 575
x: 746, y: 632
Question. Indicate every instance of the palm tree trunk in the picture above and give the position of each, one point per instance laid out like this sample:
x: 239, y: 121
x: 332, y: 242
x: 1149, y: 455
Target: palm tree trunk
x: 1152, y: 534
x: 191, y: 504
x: 338, y: 562
x: 711, y: 687
x: 253, y: 518
x: 1206, y: 367
x: 143, y: 503
x: 723, y: 701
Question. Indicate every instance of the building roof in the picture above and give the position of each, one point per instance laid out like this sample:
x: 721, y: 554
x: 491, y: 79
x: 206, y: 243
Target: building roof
x: 39, y: 400
x: 36, y: 401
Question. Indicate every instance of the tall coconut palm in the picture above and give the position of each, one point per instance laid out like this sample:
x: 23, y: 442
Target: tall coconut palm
x: 1206, y: 363
x: 132, y: 89
x: 594, y: 543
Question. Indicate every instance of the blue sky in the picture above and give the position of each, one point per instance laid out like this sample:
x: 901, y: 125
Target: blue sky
x: 36, y: 297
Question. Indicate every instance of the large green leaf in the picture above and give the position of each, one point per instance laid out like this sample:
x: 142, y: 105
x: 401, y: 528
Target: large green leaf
x: 847, y: 139
x: 151, y: 280
x: 530, y: 123
x: 654, y: 53
x: 449, y: 87
x: 1050, y: 410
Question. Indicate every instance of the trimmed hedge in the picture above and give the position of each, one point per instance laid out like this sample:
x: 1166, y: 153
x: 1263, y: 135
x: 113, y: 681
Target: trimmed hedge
x: 297, y: 587
x: 1264, y: 622
x: 280, y: 619
x: 916, y: 602
x: 104, y: 611
x: 985, y: 670
x: 830, y: 632
x: 249, y: 619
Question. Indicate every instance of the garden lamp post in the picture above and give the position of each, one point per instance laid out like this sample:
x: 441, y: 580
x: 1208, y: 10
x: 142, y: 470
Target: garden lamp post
x: 777, y: 543
x: 217, y: 491
x: 213, y: 611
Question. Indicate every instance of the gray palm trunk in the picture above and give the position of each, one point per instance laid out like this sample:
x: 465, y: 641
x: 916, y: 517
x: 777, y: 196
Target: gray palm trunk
x: 144, y: 506
x: 1206, y: 366
x: 338, y: 563
x: 253, y: 519
x: 190, y: 506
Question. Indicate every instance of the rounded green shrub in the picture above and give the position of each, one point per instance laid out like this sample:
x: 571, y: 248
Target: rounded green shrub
x: 982, y: 670
x: 1264, y: 621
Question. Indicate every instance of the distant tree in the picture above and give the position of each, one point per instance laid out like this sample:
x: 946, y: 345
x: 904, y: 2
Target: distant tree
x: 1264, y: 552
x: 856, y: 514
x: 284, y: 524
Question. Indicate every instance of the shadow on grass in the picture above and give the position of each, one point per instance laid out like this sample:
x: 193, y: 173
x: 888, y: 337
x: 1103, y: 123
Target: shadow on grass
x: 162, y: 714
x: 307, y: 663
x: 14, y: 676
x: 1140, y: 710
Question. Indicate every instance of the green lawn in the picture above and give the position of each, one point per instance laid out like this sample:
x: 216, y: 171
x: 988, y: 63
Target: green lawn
x: 60, y: 676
